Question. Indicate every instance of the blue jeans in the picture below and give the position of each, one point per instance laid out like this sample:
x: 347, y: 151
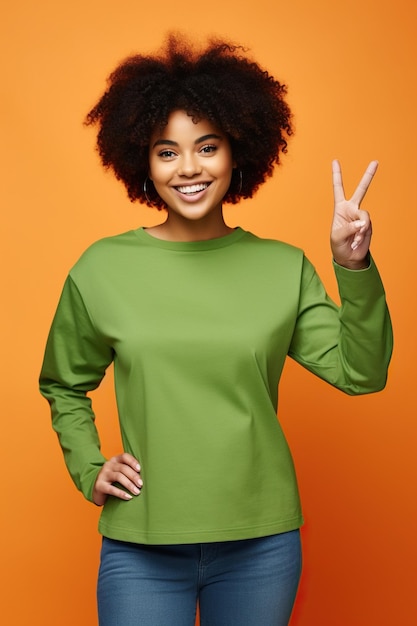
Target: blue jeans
x: 252, y: 582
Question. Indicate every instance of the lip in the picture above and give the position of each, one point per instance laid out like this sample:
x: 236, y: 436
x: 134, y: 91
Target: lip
x: 194, y: 196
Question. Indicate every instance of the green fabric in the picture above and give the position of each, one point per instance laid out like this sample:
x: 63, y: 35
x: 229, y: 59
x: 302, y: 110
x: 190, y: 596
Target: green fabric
x: 198, y: 333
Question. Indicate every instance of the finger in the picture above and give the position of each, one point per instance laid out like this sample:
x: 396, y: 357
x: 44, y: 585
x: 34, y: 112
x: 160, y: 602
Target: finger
x: 112, y: 490
x: 361, y: 230
x: 122, y: 473
x: 364, y: 218
x: 366, y: 180
x: 128, y: 459
x: 357, y: 240
x: 338, y: 191
x: 134, y: 486
x: 110, y: 477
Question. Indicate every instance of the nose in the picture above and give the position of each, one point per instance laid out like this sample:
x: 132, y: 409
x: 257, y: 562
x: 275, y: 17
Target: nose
x: 189, y: 165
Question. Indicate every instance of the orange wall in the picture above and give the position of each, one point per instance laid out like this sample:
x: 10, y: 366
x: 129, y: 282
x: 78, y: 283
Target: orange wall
x: 350, y: 67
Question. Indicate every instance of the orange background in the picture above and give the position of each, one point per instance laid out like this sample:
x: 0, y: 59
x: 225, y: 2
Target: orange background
x: 350, y: 67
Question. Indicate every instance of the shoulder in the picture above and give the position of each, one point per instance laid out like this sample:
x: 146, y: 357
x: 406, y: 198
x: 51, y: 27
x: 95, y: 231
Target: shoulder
x: 273, y: 248
x: 105, y: 252
x: 111, y: 244
x: 106, y: 260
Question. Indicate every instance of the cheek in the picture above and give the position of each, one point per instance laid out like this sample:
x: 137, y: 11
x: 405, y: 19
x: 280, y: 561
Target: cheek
x: 158, y: 173
x: 159, y: 170
x: 152, y: 170
x: 227, y: 166
x: 226, y: 171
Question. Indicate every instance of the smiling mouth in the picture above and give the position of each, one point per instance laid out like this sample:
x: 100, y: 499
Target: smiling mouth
x: 189, y: 190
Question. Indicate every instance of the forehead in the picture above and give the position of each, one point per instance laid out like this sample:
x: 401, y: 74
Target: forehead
x: 181, y: 127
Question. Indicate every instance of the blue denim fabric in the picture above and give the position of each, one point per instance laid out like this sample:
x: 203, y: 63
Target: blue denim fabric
x: 252, y: 582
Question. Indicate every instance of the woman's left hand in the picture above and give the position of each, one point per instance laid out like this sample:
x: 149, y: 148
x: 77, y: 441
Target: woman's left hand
x: 351, y: 229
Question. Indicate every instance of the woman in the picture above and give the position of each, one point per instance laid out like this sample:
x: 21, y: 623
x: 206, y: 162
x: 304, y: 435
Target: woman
x: 198, y: 318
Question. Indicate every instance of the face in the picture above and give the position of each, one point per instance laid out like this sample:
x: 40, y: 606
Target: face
x: 191, y: 166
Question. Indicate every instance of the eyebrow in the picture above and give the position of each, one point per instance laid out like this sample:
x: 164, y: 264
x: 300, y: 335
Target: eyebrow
x: 169, y: 142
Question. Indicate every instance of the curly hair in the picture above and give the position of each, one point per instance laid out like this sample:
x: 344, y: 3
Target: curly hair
x: 219, y: 84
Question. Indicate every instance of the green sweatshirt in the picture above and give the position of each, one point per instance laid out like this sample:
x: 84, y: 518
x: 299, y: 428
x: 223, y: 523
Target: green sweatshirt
x: 198, y: 333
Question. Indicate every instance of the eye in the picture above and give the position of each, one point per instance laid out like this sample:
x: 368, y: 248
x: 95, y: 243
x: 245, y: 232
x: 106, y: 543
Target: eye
x: 166, y: 154
x: 208, y: 149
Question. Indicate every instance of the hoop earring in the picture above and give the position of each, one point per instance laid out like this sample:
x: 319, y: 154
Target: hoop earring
x: 240, y: 182
x: 145, y: 190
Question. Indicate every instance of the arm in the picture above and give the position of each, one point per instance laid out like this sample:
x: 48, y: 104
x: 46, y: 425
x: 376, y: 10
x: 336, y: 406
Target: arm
x: 349, y: 347
x: 75, y: 362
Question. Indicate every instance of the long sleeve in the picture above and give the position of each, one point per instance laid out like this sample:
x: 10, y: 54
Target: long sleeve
x: 199, y: 333
x: 75, y: 361
x: 348, y: 346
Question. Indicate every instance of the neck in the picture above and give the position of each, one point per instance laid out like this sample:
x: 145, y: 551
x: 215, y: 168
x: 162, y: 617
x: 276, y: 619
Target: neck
x: 176, y: 228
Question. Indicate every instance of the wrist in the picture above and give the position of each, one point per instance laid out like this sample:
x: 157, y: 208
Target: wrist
x: 361, y: 264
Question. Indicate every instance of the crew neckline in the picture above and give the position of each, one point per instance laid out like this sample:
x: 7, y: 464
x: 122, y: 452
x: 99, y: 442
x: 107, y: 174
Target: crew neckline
x: 190, y: 246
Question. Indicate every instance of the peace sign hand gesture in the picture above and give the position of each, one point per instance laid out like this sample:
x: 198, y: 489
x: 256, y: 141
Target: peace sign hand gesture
x: 351, y: 229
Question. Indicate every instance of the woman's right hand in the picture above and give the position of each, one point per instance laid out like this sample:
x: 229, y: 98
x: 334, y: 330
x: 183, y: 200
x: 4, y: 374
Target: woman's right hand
x: 123, y: 469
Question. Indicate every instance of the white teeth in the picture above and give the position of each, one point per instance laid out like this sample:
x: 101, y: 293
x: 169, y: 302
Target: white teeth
x: 192, y: 188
